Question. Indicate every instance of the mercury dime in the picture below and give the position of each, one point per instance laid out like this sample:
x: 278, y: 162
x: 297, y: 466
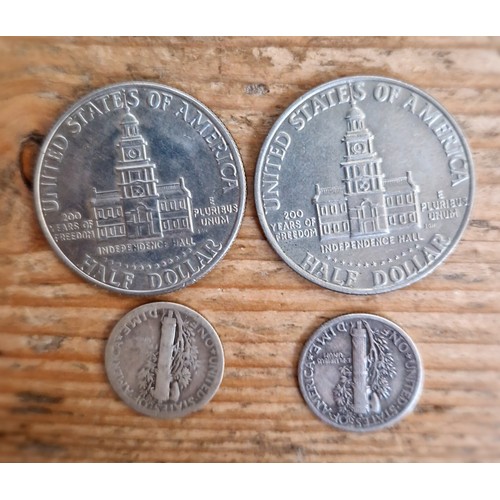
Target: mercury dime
x: 140, y: 188
x: 360, y: 372
x: 164, y: 360
x: 364, y: 185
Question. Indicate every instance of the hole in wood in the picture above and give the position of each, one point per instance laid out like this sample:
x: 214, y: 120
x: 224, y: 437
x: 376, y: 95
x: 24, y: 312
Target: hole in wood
x: 28, y: 154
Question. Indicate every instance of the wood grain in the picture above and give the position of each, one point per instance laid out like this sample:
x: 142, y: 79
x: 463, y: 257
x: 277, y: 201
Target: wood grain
x: 55, y: 402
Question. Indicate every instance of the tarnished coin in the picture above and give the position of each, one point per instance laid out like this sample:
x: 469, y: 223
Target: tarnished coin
x: 364, y: 185
x: 140, y: 188
x: 164, y: 360
x: 360, y: 372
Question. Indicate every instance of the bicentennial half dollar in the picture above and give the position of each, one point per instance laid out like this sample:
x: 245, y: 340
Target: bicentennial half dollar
x: 364, y: 185
x: 164, y: 360
x: 360, y: 372
x: 140, y: 188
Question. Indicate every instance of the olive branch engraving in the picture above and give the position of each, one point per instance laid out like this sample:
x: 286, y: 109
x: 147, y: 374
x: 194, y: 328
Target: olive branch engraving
x: 165, y: 374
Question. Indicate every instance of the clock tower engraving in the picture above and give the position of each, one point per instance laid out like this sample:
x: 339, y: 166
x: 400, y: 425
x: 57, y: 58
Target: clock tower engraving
x: 366, y: 203
x: 363, y: 178
x: 140, y: 207
x: 136, y: 179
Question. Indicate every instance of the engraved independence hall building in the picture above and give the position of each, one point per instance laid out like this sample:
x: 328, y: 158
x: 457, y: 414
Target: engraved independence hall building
x: 367, y: 204
x: 140, y: 207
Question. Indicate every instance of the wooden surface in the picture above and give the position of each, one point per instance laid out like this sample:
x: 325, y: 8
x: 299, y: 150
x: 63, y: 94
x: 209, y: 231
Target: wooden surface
x: 55, y: 401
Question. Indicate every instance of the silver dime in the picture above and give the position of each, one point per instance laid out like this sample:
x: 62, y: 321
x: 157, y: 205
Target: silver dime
x: 164, y: 360
x: 364, y: 185
x: 140, y: 188
x: 360, y: 372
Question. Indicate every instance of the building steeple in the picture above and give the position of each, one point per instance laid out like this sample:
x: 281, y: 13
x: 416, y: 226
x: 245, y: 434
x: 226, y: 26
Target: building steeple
x: 135, y: 172
x: 355, y: 117
x: 136, y: 179
x: 362, y: 176
x: 362, y: 166
x: 129, y: 125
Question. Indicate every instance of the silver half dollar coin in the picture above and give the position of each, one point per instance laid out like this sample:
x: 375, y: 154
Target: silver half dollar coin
x: 360, y: 372
x: 164, y: 360
x: 140, y: 188
x: 364, y: 185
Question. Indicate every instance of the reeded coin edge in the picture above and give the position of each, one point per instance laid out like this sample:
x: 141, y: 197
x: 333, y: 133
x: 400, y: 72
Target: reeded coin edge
x: 38, y: 207
x: 389, y: 423
x: 129, y: 402
x: 260, y: 209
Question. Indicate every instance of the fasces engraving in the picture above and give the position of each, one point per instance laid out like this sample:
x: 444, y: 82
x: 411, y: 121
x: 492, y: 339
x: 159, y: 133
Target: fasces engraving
x: 360, y: 372
x: 164, y: 360
x: 138, y: 178
x: 373, y: 189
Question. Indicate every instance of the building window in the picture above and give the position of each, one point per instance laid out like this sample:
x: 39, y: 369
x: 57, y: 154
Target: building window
x: 325, y: 229
x: 392, y: 220
x: 100, y: 213
x: 402, y: 218
x: 389, y: 201
x: 353, y: 171
x: 132, y: 130
x: 409, y: 198
x: 367, y: 211
x: 343, y: 208
x: 399, y: 199
x: 109, y: 212
x: 323, y: 209
x: 182, y: 204
x: 335, y: 227
x: 345, y: 226
x: 412, y: 217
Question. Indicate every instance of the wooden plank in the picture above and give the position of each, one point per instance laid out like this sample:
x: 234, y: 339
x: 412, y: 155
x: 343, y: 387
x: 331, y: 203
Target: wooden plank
x: 55, y: 401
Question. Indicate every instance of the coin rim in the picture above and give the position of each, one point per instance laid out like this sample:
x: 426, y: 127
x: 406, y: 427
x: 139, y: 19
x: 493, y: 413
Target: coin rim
x: 260, y: 209
x: 140, y: 409
x: 394, y: 420
x: 224, y: 132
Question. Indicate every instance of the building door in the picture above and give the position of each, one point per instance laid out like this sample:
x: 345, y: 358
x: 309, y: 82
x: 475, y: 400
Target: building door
x: 369, y: 216
x: 141, y: 223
